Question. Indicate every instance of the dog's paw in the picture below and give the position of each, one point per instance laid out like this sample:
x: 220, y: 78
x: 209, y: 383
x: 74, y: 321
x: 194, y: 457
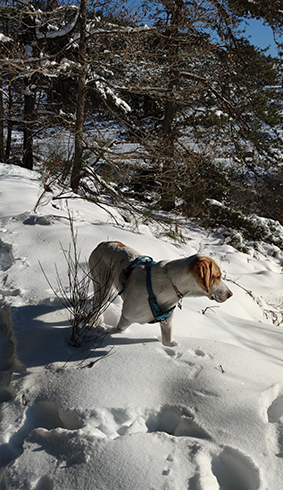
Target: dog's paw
x: 171, y: 344
x: 97, y: 321
x: 100, y: 328
x: 112, y: 330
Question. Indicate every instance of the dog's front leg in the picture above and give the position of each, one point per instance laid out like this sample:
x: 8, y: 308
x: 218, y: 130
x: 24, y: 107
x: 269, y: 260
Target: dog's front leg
x: 167, y: 332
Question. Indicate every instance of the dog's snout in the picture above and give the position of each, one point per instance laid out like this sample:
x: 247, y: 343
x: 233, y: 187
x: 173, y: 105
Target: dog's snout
x: 229, y: 294
x: 220, y: 295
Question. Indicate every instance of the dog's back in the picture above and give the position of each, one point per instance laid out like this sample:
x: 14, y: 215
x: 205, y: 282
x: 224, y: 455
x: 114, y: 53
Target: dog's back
x: 108, y: 254
x: 105, y: 265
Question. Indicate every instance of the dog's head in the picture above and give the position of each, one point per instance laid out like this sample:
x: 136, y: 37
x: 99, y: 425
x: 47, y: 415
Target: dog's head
x: 208, y: 277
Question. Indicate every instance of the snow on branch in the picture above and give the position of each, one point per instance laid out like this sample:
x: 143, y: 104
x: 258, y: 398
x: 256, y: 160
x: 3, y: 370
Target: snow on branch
x: 106, y: 92
x: 54, y: 34
x: 5, y: 39
x: 93, y: 28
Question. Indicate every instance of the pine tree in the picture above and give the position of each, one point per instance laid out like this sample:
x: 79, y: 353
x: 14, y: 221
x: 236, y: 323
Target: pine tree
x: 209, y: 99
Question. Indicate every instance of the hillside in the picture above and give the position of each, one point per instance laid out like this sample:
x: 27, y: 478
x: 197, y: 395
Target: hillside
x: 122, y: 411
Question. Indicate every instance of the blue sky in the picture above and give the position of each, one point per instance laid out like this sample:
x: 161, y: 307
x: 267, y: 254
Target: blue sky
x: 261, y: 36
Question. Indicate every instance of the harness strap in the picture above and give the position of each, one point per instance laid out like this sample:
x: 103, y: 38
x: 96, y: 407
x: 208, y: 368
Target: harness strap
x: 159, y: 315
x: 142, y: 259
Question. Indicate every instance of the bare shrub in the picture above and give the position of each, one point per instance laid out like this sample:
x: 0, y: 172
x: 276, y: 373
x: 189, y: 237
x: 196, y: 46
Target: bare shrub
x: 76, y: 297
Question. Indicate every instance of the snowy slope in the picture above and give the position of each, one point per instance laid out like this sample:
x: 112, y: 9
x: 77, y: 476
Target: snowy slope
x: 204, y: 415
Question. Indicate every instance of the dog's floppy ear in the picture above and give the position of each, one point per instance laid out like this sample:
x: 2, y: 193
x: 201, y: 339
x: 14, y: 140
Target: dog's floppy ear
x: 204, y: 266
x: 208, y: 272
x: 215, y: 270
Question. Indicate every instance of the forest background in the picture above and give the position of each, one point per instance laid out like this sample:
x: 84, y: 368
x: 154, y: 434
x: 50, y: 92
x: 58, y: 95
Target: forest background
x: 153, y: 106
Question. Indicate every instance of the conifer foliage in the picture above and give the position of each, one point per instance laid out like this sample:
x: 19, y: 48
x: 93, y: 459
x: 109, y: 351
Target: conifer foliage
x: 176, y: 82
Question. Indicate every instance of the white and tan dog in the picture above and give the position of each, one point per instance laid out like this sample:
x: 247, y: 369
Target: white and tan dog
x: 171, y: 281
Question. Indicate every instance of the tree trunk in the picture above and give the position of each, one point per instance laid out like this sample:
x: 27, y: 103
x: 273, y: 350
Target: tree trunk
x: 167, y: 191
x: 1, y: 121
x: 29, y: 39
x: 168, y: 181
x: 78, y: 154
x: 29, y: 123
x: 10, y: 123
x: 80, y: 112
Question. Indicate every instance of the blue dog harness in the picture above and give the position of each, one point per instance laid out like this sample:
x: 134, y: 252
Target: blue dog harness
x: 159, y: 315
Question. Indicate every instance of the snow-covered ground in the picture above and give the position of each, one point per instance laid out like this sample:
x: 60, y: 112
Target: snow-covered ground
x: 204, y: 415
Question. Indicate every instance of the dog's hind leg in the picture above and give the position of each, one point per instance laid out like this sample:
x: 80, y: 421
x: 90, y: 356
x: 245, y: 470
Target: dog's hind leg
x: 102, y: 286
x: 123, y: 323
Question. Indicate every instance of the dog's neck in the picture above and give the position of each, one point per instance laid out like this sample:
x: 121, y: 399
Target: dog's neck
x: 181, y: 280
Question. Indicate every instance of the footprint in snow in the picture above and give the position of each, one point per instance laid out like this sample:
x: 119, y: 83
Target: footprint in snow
x: 200, y: 353
x: 44, y: 483
x: 173, y: 420
x: 6, y: 256
x: 6, y: 261
x: 274, y: 414
x: 41, y: 423
x: 185, y: 357
x: 275, y: 411
x: 115, y: 422
x: 8, y: 362
x: 176, y: 421
x: 235, y: 471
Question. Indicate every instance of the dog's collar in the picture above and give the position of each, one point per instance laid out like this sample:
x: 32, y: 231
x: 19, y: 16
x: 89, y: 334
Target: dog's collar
x: 178, y: 293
